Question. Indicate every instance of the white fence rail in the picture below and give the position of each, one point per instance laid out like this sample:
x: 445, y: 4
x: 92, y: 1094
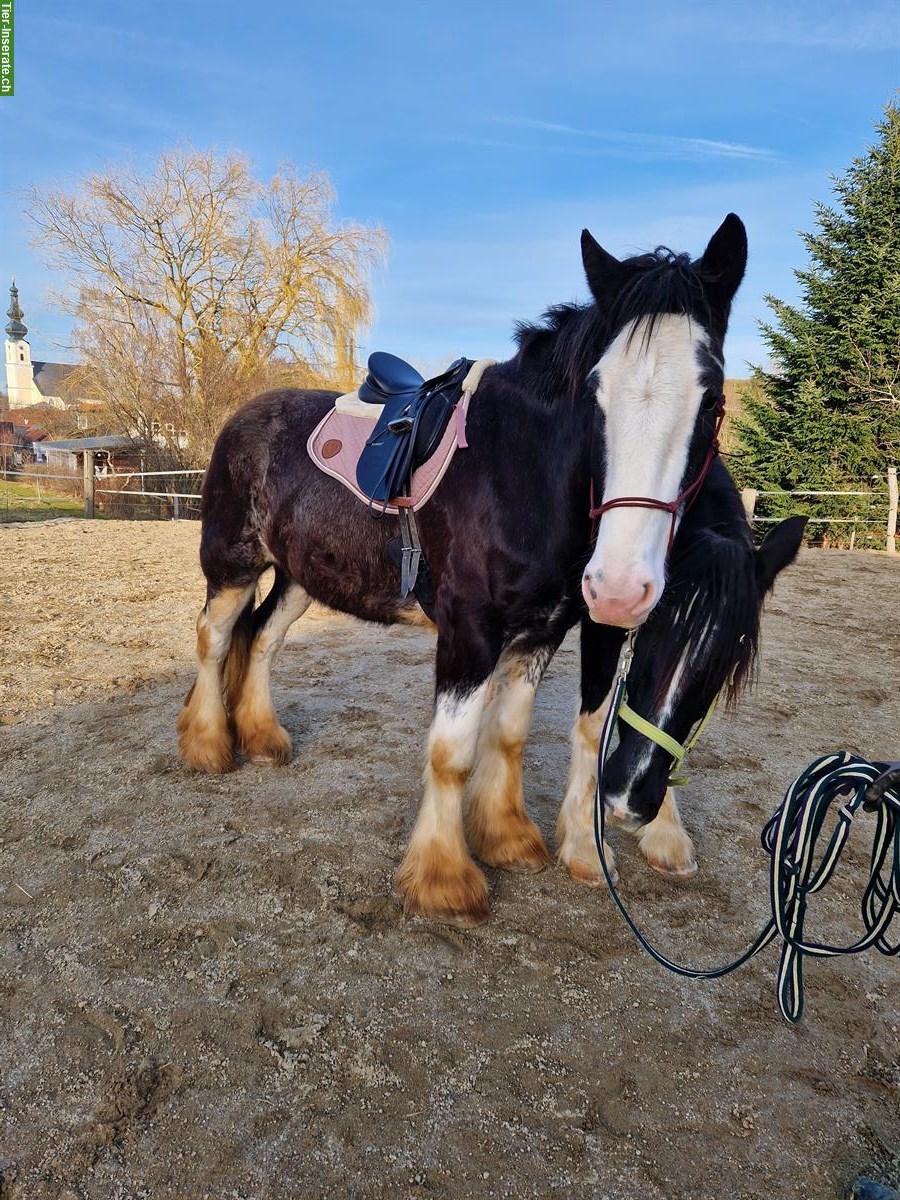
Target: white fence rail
x: 884, y: 496
x: 26, y: 489
x: 89, y: 484
x: 124, y: 493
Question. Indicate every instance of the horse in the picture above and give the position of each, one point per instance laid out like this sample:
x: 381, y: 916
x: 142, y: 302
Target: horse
x: 700, y: 642
x: 621, y: 393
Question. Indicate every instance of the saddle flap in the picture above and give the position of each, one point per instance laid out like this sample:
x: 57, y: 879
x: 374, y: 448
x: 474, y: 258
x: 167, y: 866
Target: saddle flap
x: 339, y: 439
x: 408, y: 432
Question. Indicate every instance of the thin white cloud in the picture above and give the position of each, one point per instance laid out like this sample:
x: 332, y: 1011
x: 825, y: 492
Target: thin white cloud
x: 644, y: 144
x: 848, y: 27
x: 114, y: 43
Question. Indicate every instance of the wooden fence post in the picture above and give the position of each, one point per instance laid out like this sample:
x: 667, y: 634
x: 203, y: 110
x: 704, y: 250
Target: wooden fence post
x: 87, y: 459
x: 748, y: 495
x: 892, y: 511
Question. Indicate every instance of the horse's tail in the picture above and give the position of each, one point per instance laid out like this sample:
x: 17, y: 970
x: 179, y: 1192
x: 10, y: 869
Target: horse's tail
x: 237, y: 659
x: 247, y: 626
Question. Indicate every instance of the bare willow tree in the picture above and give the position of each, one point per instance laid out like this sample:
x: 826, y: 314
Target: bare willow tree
x: 195, y: 284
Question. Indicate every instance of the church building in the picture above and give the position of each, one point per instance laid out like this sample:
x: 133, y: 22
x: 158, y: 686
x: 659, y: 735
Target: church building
x: 30, y: 383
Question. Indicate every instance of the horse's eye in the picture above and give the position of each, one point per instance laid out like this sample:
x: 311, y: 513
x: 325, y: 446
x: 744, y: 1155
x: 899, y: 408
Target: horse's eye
x: 709, y: 401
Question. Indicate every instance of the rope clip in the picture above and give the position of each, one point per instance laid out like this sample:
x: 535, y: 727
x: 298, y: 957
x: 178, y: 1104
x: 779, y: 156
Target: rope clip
x: 627, y: 654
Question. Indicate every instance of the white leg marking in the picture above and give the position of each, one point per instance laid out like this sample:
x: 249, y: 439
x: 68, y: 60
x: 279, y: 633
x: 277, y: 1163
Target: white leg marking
x: 575, y: 825
x: 261, y: 737
x: 204, y: 736
x: 499, y: 830
x: 438, y: 877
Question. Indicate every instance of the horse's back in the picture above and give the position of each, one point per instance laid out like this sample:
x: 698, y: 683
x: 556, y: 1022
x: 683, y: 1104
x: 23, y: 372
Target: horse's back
x: 257, y: 433
x: 265, y: 502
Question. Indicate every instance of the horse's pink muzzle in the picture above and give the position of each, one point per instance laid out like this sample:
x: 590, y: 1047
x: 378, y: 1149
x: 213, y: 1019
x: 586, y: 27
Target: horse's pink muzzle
x: 625, y: 602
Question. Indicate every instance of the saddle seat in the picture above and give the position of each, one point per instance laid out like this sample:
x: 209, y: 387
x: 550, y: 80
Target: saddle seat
x: 388, y: 376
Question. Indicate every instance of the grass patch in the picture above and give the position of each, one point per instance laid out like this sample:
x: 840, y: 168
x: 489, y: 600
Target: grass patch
x: 24, y: 502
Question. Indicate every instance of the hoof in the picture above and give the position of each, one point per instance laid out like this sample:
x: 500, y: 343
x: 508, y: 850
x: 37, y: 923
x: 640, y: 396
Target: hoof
x: 514, y: 846
x: 267, y: 745
x: 208, y: 749
x: 669, y: 852
x: 686, y: 871
x: 585, y: 868
x: 443, y: 885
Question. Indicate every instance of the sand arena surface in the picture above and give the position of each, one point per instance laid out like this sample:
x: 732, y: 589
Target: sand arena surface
x: 208, y: 990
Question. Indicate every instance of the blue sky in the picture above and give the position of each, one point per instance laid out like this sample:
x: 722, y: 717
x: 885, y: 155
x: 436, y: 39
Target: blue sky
x: 482, y: 136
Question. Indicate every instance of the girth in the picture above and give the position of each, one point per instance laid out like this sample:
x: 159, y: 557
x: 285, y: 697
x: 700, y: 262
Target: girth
x: 414, y: 418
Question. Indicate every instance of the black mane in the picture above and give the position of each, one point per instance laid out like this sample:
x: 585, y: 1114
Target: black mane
x: 570, y: 338
x: 711, y: 585
x: 713, y: 601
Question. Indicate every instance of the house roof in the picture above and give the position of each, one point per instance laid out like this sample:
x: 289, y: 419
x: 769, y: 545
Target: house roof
x: 30, y: 433
x: 25, y: 416
x: 48, y: 376
x: 113, y: 441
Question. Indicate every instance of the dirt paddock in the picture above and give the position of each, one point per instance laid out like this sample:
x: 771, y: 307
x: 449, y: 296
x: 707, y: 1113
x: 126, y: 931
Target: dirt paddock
x: 208, y: 990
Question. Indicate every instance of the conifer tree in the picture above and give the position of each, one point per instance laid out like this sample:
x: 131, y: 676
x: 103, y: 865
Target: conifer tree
x: 828, y: 415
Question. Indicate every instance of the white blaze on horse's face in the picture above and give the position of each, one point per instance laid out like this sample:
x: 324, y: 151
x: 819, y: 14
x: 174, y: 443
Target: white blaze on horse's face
x: 649, y: 388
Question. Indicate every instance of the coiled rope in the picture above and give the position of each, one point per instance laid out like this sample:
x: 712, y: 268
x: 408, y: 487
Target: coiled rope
x: 790, y: 838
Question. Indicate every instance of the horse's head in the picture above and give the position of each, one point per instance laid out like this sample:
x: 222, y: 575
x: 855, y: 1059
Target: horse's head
x: 658, y: 385
x: 701, y: 640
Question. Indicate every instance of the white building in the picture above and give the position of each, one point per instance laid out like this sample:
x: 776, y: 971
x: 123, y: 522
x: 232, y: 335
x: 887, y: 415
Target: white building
x: 30, y: 383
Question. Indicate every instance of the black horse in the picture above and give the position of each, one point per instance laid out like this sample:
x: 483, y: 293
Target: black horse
x: 700, y: 642
x: 617, y: 396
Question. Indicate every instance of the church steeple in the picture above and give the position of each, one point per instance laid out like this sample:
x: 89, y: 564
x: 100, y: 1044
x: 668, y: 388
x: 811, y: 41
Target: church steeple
x: 15, y: 329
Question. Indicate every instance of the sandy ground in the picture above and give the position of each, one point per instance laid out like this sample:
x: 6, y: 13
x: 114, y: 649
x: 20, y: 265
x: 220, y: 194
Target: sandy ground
x: 208, y: 990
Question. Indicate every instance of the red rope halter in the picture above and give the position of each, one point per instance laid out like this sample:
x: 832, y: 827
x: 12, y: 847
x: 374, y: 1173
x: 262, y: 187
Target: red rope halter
x: 687, y: 497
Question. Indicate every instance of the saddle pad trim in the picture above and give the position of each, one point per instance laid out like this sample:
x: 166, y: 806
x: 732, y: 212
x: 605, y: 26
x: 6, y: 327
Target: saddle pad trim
x: 351, y: 403
x: 445, y: 451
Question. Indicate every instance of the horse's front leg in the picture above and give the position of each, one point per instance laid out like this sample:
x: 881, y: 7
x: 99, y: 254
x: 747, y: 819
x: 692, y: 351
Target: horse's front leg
x: 665, y: 843
x: 437, y: 877
x: 577, y: 848
x: 499, y: 830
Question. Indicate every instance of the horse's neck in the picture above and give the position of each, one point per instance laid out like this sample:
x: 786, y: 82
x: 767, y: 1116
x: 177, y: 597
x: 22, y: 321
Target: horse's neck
x: 554, y: 427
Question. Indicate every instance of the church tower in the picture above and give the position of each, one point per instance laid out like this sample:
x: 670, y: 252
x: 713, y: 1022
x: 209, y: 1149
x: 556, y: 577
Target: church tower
x: 19, y: 370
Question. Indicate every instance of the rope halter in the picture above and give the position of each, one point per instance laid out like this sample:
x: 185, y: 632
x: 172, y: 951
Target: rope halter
x: 672, y: 507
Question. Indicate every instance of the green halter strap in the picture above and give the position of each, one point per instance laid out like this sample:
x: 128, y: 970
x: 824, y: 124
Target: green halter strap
x: 662, y: 739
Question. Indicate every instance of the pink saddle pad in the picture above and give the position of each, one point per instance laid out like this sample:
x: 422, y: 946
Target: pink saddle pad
x: 338, y: 440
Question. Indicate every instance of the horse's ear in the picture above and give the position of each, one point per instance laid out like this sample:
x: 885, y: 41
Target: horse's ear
x: 725, y: 259
x: 602, y: 269
x: 779, y: 549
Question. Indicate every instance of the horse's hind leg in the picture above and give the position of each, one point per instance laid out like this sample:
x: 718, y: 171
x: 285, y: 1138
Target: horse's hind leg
x: 204, y: 733
x: 259, y: 735
x: 498, y: 828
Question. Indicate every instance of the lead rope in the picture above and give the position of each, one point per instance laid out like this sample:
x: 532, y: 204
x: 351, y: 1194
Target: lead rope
x: 789, y: 838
